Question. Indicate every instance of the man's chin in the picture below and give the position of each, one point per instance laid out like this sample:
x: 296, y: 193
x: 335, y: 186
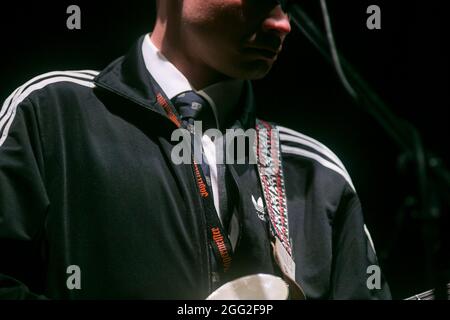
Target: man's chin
x: 255, y: 70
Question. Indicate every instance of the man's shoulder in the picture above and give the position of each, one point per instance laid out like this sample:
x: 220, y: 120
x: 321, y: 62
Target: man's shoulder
x: 56, y: 83
x: 297, y: 145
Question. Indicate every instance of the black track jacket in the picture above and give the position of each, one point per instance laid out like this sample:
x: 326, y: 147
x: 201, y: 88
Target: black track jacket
x: 86, y: 180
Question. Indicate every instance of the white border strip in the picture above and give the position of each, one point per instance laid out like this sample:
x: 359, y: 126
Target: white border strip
x: 20, y: 89
x: 326, y: 152
x: 322, y: 161
x: 11, y: 110
x: 370, y: 238
x: 323, y: 148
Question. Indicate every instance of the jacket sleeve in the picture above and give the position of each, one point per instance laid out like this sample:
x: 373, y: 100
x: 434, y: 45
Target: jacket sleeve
x: 356, y: 273
x: 23, y: 200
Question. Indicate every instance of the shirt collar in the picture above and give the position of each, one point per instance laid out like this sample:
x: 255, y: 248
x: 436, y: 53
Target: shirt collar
x: 223, y: 96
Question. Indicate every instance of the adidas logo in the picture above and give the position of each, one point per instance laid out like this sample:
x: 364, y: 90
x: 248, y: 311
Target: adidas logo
x: 259, y: 206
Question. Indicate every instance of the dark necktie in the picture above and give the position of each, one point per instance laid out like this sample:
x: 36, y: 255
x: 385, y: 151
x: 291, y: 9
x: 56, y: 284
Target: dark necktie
x: 193, y: 107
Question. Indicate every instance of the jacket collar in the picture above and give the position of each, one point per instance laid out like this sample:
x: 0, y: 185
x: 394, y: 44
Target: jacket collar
x: 128, y: 77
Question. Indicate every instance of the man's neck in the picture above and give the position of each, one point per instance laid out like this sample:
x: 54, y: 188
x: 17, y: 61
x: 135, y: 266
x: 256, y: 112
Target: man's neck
x: 172, y: 47
x: 224, y: 96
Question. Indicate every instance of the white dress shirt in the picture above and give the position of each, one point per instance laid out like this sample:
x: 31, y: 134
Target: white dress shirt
x: 223, y: 98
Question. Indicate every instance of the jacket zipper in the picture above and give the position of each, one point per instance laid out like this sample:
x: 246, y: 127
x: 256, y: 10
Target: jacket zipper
x: 205, y: 234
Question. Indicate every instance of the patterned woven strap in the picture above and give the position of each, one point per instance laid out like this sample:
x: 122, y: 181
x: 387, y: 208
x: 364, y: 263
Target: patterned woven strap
x: 267, y: 149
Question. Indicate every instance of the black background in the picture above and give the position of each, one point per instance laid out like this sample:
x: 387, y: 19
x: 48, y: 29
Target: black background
x: 405, y: 62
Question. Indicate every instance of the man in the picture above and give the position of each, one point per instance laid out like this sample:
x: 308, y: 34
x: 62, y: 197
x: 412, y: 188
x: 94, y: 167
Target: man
x: 93, y: 204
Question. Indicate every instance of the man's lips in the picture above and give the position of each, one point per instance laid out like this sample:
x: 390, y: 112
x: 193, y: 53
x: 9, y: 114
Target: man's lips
x: 264, y: 51
x: 264, y: 45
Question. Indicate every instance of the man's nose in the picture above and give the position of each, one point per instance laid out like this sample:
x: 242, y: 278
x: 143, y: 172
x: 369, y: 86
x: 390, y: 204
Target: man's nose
x: 278, y: 22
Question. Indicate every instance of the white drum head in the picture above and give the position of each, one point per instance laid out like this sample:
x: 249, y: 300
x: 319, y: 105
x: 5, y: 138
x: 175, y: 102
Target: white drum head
x: 253, y: 287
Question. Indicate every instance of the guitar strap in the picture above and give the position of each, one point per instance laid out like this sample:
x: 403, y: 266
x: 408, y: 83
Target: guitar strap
x: 270, y: 169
